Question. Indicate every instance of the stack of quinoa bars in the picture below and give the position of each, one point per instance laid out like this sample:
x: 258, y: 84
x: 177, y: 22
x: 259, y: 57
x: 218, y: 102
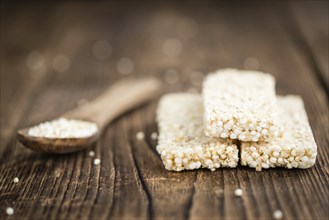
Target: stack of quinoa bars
x: 238, y: 118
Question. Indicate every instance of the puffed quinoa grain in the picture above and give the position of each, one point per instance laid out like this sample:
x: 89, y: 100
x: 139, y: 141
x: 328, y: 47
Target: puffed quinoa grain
x: 64, y: 128
x: 97, y: 161
x: 240, y: 105
x: 294, y: 148
x: 181, y: 141
x: 277, y: 214
x: 140, y: 135
x: 10, y: 211
x: 238, y: 192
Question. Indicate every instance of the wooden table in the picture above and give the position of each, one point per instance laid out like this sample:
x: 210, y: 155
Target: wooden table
x: 287, y: 39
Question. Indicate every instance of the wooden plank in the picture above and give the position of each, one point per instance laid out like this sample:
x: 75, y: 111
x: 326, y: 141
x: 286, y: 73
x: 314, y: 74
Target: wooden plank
x: 162, y: 187
x: 36, y: 182
x: 310, y: 27
x: 12, y: 95
x: 287, y: 66
x: 131, y: 181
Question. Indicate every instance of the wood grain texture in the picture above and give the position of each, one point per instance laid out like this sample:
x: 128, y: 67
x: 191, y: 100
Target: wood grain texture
x: 131, y: 182
x: 311, y: 28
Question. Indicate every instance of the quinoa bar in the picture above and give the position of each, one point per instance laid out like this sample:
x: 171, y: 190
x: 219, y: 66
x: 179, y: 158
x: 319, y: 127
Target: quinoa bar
x: 182, y: 143
x: 240, y: 105
x: 294, y: 148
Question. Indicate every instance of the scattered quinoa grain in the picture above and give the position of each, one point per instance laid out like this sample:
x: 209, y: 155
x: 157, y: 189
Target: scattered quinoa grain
x: 140, y: 135
x: 277, y: 214
x: 10, y: 211
x: 238, y: 192
x: 16, y: 180
x: 91, y: 153
x: 154, y: 136
x: 97, y: 161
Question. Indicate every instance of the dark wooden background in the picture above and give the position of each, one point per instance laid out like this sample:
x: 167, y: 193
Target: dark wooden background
x: 287, y: 39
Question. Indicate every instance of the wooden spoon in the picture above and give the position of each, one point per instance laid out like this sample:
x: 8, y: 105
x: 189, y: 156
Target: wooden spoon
x: 119, y: 98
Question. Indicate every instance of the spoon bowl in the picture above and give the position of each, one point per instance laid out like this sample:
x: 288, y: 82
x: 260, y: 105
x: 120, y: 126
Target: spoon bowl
x: 55, y: 145
x: 119, y: 98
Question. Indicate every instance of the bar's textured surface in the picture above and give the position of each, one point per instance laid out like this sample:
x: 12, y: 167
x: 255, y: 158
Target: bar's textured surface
x: 131, y: 181
x: 294, y: 148
x: 240, y: 105
x: 182, y: 143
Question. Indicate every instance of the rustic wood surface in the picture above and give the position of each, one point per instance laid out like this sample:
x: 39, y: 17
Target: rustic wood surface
x: 287, y: 39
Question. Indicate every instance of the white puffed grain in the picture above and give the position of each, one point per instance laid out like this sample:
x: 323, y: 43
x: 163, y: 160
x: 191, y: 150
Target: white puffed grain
x: 294, y: 148
x: 64, y: 128
x: 277, y: 214
x: 91, y: 153
x: 238, y: 192
x: 181, y: 141
x: 242, y: 102
x: 154, y: 135
x: 140, y: 135
x: 10, y: 211
x: 97, y: 161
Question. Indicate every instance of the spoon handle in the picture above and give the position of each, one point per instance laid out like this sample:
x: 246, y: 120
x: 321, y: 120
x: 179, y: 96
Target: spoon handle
x: 119, y: 98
